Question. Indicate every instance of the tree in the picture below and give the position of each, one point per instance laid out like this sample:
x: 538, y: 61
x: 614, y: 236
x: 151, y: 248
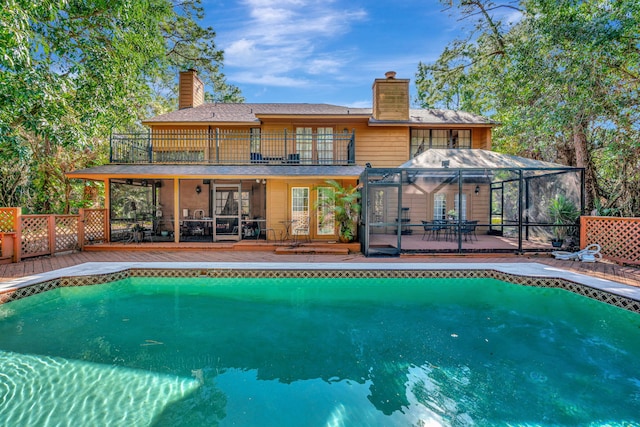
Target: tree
x: 562, y: 79
x: 73, y: 71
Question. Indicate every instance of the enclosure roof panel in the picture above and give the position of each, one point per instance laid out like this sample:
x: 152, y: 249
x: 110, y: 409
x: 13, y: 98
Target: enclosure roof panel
x: 433, y: 158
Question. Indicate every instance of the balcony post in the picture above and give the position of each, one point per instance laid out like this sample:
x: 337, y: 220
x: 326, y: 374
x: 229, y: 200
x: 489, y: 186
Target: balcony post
x: 351, y: 148
x: 217, y: 146
x: 111, y: 146
x: 149, y: 146
x: 286, y: 154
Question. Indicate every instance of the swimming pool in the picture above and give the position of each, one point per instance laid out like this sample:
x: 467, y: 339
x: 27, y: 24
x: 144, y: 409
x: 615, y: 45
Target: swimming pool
x: 395, y: 349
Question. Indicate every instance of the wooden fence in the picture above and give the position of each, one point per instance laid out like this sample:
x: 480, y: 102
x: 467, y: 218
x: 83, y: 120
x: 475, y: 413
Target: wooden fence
x: 24, y: 236
x: 618, y: 237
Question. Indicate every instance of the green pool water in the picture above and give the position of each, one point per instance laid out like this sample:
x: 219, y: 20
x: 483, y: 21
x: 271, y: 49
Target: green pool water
x: 317, y: 352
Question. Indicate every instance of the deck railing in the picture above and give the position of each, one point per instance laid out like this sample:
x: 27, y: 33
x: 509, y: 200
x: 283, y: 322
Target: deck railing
x: 233, y: 147
x: 619, y: 238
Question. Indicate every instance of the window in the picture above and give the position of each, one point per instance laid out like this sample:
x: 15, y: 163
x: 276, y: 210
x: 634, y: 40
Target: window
x: 255, y: 140
x: 325, y: 145
x: 461, y: 213
x: 439, y: 138
x: 439, y: 206
x: 460, y: 138
x: 379, y: 203
x: 423, y: 139
x: 315, y: 145
x: 300, y: 210
x: 326, y: 220
x: 227, y: 203
x: 244, y: 203
x: 304, y: 144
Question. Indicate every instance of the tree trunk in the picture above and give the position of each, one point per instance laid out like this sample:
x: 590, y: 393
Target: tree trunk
x: 583, y: 160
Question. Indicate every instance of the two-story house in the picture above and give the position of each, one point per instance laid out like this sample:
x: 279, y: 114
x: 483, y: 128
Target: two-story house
x: 226, y: 172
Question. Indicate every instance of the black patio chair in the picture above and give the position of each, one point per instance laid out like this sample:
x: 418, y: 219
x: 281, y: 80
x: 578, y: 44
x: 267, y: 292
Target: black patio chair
x: 468, y: 228
x: 257, y: 158
x: 432, y: 229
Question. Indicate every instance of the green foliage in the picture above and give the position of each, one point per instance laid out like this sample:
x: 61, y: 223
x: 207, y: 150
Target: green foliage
x: 563, y: 81
x: 562, y: 212
x: 344, y: 202
x: 73, y: 71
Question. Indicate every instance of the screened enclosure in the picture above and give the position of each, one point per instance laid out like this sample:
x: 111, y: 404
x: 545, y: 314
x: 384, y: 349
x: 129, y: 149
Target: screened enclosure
x: 457, y: 201
x: 134, y: 208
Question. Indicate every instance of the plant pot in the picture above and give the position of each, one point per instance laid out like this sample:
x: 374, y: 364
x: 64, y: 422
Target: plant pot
x: 557, y: 243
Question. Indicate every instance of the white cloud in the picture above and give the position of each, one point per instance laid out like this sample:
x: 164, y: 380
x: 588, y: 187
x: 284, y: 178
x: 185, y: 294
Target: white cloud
x: 287, y: 37
x: 268, y: 79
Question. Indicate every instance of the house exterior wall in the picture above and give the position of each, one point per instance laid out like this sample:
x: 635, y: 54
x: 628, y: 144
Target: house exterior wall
x: 481, y: 138
x: 386, y: 146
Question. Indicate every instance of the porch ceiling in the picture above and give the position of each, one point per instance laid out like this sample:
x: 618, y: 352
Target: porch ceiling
x: 208, y: 171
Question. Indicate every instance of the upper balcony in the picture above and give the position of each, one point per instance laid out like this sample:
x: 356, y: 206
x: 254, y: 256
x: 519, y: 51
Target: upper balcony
x: 234, y: 147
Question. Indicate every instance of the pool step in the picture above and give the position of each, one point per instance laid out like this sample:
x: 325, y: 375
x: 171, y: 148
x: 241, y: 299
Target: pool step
x: 309, y: 250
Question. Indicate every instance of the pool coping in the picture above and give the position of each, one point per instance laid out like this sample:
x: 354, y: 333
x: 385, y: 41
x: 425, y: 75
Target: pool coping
x: 528, y: 274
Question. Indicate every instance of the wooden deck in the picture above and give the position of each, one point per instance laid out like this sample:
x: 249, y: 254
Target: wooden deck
x: 207, y: 253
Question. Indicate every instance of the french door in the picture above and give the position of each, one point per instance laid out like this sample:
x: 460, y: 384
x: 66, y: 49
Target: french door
x: 226, y: 212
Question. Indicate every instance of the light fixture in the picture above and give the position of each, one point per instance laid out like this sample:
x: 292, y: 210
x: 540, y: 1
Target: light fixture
x: 198, y: 189
x: 445, y: 163
x: 264, y: 181
x: 477, y: 189
x: 258, y: 180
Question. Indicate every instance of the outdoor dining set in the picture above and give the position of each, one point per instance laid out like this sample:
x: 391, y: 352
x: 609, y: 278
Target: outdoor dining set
x: 449, y: 229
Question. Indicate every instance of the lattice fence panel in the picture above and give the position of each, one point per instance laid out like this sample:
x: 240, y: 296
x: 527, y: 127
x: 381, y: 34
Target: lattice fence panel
x: 66, y: 233
x: 35, y: 236
x: 94, y: 221
x: 7, y: 219
x: 618, y: 237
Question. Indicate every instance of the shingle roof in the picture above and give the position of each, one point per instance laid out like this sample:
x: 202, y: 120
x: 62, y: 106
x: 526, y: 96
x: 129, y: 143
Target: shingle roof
x: 207, y: 171
x: 446, y: 117
x: 249, y: 113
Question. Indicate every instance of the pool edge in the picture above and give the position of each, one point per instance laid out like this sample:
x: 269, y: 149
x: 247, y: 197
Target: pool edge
x: 526, y: 274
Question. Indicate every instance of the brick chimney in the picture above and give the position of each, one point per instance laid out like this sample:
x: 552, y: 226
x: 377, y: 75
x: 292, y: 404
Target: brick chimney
x: 191, y: 91
x: 391, y: 98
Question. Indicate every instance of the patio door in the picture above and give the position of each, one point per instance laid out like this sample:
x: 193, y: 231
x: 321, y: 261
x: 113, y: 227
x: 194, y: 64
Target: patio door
x: 383, y: 211
x: 226, y: 212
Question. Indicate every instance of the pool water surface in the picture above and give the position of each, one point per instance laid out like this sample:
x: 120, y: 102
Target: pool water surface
x: 325, y: 352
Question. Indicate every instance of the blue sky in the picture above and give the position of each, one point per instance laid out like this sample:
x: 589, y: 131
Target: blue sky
x: 325, y: 51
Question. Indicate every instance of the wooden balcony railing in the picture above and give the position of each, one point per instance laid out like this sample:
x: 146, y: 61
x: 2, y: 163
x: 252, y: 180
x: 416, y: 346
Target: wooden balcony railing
x: 232, y: 147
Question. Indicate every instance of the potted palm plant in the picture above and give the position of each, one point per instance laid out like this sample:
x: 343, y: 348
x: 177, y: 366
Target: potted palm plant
x: 341, y: 205
x: 562, y: 213
x: 138, y: 231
